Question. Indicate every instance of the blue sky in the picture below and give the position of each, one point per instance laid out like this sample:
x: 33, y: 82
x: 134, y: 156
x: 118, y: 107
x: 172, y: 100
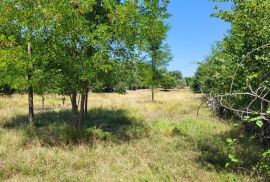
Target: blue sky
x: 193, y: 32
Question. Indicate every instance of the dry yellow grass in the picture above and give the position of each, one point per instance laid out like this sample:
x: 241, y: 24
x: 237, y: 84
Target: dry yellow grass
x: 164, y: 146
x: 174, y: 105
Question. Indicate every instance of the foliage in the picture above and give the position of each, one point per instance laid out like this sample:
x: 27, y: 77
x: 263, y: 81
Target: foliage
x: 6, y: 89
x: 155, y: 31
x: 177, y: 74
x: 237, y: 71
x: 68, y: 47
x: 172, y: 79
x: 189, y: 81
x: 23, y: 32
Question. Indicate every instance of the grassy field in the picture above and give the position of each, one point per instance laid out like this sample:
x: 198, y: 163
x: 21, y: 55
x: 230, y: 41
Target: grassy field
x: 127, y: 138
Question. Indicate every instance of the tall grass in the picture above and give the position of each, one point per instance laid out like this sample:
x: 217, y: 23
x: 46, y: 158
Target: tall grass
x: 126, y: 138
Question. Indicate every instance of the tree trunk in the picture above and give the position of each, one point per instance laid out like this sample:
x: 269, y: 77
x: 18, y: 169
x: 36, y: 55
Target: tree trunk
x: 153, y: 76
x: 30, y: 91
x: 42, y: 107
x: 153, y: 93
x: 75, y: 114
x: 79, y: 99
x: 63, y: 101
x: 86, y: 103
x: 30, y: 105
x: 82, y: 111
x: 79, y: 116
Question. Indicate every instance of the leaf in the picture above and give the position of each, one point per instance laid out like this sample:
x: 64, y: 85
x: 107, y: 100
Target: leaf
x: 257, y: 57
x: 233, y: 158
x: 267, y: 153
x: 254, y: 75
x: 268, y: 110
x: 256, y: 118
x: 229, y: 140
x: 236, y: 125
x: 259, y: 123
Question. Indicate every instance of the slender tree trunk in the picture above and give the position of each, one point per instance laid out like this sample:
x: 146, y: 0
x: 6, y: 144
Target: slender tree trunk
x: 82, y: 110
x: 31, y: 105
x: 30, y: 91
x: 79, y: 99
x: 43, y: 100
x: 153, y: 93
x: 75, y: 114
x: 153, y: 77
x: 86, y: 102
x: 63, y: 101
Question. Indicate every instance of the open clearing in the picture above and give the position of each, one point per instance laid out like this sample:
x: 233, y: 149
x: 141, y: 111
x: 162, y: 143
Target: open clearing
x: 127, y: 138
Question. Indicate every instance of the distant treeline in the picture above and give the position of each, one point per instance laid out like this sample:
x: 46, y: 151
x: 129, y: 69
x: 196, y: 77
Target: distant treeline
x: 168, y: 80
x: 6, y: 90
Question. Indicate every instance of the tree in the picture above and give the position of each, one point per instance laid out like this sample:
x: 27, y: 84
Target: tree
x: 236, y: 74
x: 96, y: 43
x: 177, y: 74
x: 168, y: 81
x: 172, y: 79
x: 189, y: 81
x: 22, y: 36
x: 241, y: 60
x: 160, y: 57
x: 155, y: 13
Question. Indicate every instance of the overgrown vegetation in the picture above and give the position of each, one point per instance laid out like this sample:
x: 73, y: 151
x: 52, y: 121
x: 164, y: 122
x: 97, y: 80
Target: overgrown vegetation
x: 127, y: 137
x: 235, y: 77
x: 53, y: 50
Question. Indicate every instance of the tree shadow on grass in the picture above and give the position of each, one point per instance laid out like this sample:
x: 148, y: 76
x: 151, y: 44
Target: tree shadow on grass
x: 215, y: 154
x: 54, y: 128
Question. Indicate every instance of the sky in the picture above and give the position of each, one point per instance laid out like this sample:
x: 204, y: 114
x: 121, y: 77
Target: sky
x: 193, y: 33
